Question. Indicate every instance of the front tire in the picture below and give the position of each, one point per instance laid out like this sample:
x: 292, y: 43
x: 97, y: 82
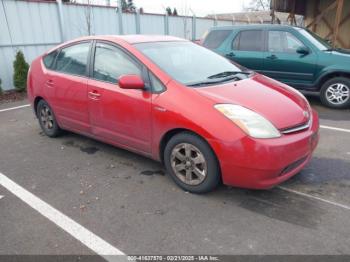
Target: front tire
x: 47, y: 119
x: 335, y: 93
x: 191, y: 163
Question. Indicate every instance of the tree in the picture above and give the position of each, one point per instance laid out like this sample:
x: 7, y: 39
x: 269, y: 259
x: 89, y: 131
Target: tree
x: 88, y: 17
x: 175, y: 12
x: 124, y: 5
x: 131, y: 7
x: 168, y: 11
x: 258, y: 5
x: 21, y: 68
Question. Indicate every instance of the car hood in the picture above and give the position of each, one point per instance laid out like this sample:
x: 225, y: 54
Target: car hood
x: 342, y: 52
x: 277, y: 102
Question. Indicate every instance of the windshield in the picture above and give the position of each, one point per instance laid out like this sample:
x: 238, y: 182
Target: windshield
x: 189, y: 63
x: 318, y: 41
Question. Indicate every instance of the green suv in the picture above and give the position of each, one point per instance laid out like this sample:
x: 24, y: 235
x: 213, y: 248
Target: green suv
x: 288, y: 54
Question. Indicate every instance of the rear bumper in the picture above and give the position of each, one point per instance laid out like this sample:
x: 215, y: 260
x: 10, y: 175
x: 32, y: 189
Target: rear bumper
x: 264, y: 163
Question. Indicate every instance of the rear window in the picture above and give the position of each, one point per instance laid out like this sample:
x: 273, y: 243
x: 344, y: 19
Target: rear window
x: 215, y: 38
x: 250, y: 40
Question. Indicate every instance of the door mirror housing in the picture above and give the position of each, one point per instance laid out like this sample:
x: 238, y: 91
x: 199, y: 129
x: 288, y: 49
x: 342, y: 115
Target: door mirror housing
x: 131, y: 82
x: 303, y: 50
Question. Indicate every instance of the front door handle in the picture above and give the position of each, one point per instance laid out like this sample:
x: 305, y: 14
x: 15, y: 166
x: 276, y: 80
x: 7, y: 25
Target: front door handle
x: 94, y: 95
x: 230, y: 55
x: 49, y: 83
x: 272, y: 57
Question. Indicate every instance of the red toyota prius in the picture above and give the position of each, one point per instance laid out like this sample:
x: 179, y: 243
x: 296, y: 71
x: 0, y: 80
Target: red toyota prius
x: 207, y: 119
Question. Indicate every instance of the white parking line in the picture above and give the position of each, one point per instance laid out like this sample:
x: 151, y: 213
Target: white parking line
x: 335, y: 128
x: 13, y: 108
x: 314, y: 197
x: 1, y: 196
x: 89, y: 239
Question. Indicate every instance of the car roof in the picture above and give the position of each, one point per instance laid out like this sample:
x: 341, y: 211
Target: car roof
x: 256, y: 26
x: 133, y: 39
x: 130, y: 39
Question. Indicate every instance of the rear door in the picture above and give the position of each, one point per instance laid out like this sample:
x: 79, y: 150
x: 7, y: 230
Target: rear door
x: 66, y: 87
x: 120, y: 116
x: 282, y: 61
x: 247, y: 49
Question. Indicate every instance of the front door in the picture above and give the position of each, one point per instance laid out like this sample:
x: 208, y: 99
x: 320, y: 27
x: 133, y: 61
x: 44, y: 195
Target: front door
x: 283, y: 63
x: 120, y: 116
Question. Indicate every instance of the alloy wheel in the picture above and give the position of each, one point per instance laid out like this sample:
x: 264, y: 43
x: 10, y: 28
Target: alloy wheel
x: 46, y: 117
x: 188, y: 164
x: 337, y: 93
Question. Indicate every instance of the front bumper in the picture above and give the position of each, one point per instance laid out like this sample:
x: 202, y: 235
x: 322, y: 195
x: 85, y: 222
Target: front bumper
x: 264, y: 163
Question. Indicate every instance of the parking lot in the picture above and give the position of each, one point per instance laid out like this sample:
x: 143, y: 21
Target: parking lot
x: 89, y: 197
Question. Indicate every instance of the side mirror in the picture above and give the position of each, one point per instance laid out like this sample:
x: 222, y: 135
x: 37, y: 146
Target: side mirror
x: 131, y: 82
x: 329, y: 41
x: 303, y: 50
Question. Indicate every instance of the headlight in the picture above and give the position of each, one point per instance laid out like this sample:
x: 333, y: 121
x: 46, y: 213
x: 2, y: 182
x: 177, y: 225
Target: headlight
x: 250, y: 122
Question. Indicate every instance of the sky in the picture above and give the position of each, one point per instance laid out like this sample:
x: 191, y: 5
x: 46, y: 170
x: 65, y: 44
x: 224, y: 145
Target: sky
x: 199, y: 7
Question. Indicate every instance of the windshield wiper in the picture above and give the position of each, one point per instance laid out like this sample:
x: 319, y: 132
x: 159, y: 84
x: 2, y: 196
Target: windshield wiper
x: 332, y: 49
x: 208, y: 82
x: 229, y: 73
x: 220, y: 78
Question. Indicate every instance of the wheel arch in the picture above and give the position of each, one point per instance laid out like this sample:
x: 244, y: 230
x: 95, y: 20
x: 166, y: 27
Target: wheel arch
x: 327, y: 76
x: 171, y: 133
x: 36, y: 102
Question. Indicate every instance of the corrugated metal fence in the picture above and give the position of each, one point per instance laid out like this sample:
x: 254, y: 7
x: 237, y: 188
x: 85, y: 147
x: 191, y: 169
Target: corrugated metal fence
x: 34, y: 27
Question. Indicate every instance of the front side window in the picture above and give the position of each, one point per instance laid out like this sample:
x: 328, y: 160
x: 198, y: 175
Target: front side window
x: 215, y: 38
x: 315, y: 39
x: 249, y: 40
x: 49, y: 59
x: 281, y: 41
x: 157, y: 86
x: 73, y: 59
x: 111, y: 62
x: 188, y: 63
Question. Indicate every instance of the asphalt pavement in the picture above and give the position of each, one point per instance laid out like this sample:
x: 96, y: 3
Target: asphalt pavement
x: 127, y: 202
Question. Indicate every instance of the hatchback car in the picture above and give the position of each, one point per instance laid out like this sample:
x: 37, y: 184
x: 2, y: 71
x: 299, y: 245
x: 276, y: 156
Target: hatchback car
x: 174, y: 101
x: 288, y: 54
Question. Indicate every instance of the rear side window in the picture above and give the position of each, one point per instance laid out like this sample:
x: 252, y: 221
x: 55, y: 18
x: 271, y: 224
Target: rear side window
x: 215, y: 38
x: 49, y: 59
x: 73, y: 59
x: 250, y: 40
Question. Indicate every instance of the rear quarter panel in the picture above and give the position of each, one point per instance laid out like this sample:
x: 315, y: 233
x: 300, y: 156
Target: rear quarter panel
x: 36, y: 80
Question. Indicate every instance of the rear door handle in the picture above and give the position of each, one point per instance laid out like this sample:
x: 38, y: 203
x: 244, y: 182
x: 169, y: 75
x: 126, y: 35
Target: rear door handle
x: 94, y: 95
x: 272, y: 57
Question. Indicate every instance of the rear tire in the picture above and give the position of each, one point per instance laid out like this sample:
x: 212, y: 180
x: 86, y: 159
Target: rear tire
x: 191, y: 163
x: 47, y: 119
x: 335, y: 93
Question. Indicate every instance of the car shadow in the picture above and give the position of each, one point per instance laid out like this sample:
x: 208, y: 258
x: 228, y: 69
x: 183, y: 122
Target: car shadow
x: 274, y: 203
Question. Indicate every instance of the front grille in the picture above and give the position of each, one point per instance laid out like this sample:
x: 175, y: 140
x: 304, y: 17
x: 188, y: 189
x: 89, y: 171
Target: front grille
x: 297, y: 128
x: 293, y: 166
